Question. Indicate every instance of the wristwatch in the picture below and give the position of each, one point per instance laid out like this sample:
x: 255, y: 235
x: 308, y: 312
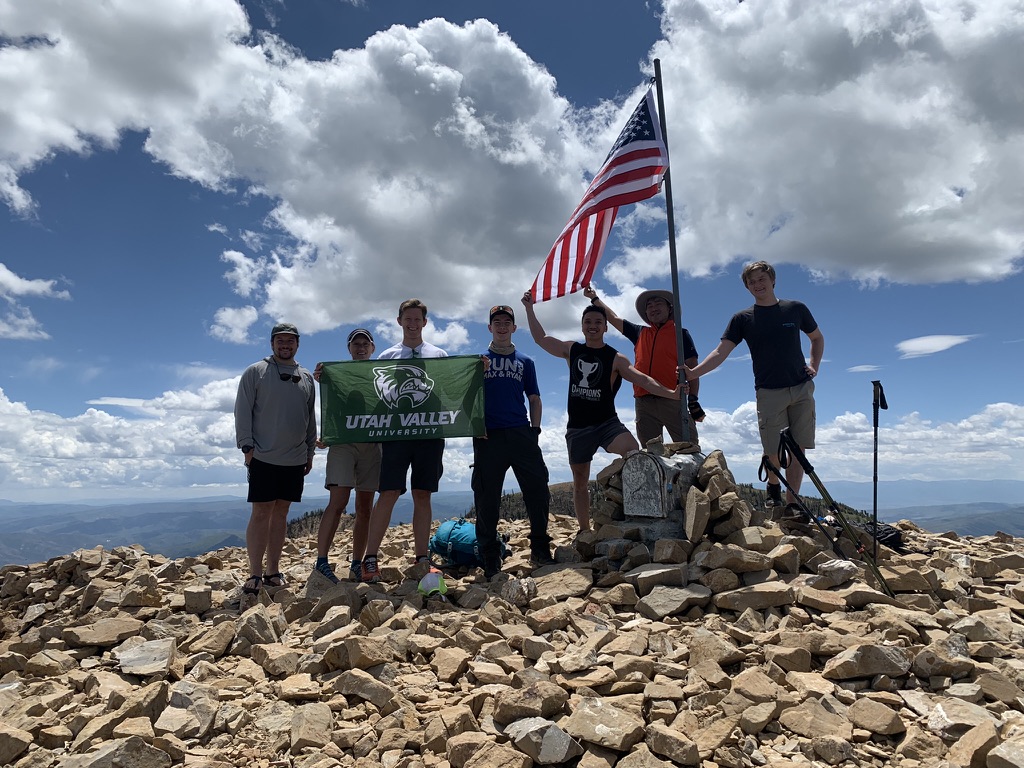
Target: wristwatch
x: 246, y: 448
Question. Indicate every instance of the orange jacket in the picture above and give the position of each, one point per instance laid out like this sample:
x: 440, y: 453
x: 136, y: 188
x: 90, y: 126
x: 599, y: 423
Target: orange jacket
x: 656, y: 356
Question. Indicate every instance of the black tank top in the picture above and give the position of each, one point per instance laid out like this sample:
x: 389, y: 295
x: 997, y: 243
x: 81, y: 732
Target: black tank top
x: 591, y: 391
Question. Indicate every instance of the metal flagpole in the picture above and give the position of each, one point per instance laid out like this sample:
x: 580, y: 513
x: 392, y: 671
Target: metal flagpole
x: 677, y: 309
x: 878, y: 401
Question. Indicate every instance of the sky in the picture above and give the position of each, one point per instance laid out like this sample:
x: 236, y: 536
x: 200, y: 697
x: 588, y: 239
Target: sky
x: 177, y: 176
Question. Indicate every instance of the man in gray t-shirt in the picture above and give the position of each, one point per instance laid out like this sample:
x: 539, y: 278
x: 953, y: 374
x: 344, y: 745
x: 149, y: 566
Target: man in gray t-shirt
x: 275, y: 428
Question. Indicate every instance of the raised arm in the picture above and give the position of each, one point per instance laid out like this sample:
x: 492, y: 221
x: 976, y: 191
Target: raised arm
x: 549, y: 344
x: 613, y: 319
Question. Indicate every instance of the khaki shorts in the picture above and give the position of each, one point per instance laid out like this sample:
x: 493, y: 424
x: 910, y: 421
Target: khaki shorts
x: 791, y: 407
x: 355, y: 465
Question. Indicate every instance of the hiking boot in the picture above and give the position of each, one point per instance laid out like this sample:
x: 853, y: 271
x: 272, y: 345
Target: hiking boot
x: 794, y: 521
x: 774, y: 495
x: 325, y: 570
x: 492, y: 567
x: 540, y: 558
x: 370, y: 573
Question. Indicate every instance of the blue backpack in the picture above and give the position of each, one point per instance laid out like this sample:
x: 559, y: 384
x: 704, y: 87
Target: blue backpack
x: 455, y: 542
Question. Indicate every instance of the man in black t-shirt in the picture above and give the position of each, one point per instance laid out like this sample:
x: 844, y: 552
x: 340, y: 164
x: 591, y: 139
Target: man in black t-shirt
x: 596, y: 371
x: 783, y: 379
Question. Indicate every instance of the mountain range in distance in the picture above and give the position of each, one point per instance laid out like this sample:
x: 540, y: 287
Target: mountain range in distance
x: 35, y: 532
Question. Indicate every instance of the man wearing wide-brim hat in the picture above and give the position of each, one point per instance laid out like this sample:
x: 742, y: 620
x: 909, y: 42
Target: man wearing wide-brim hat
x: 655, y: 347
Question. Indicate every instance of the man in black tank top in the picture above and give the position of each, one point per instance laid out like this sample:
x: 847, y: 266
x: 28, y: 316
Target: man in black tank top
x: 596, y: 372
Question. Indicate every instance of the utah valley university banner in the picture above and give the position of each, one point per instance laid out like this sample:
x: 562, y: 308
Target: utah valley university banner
x: 372, y: 401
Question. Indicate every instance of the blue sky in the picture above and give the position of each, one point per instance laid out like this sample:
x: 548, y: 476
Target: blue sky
x: 173, y: 182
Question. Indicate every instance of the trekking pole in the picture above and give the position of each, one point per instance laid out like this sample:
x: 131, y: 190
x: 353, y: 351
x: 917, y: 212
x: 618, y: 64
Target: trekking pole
x: 789, y: 447
x: 762, y: 475
x: 878, y: 401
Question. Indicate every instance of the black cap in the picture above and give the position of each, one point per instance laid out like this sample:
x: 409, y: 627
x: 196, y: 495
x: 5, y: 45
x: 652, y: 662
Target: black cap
x: 361, y: 332
x: 284, y: 328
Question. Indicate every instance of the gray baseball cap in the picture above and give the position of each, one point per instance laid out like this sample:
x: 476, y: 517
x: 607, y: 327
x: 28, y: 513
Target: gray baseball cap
x: 284, y: 328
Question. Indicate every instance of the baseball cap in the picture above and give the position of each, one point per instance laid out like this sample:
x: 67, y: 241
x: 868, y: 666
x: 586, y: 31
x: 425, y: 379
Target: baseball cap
x: 501, y: 309
x: 284, y: 328
x: 360, y: 332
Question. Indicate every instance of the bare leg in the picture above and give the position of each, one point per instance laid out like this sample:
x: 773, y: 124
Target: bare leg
x: 623, y: 445
x: 278, y: 531
x: 364, y: 509
x: 581, y: 494
x: 265, y: 535
x: 422, y: 513
x: 331, y: 518
x: 380, y: 519
x: 794, y: 476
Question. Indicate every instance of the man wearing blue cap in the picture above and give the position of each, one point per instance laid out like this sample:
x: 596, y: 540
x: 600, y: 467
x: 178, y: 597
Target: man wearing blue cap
x: 352, y: 465
x: 275, y: 428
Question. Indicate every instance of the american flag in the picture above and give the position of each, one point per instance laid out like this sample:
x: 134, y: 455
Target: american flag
x: 632, y: 172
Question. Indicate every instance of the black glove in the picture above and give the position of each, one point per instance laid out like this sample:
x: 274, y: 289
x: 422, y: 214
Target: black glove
x: 694, y: 407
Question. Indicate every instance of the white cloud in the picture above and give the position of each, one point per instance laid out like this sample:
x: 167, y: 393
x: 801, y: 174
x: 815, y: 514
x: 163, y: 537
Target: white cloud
x: 929, y: 345
x: 185, y: 438
x: 456, y: 146
x: 863, y: 368
x: 18, y: 322
x: 878, y: 140
x: 245, y: 273
x: 13, y: 286
x: 233, y: 323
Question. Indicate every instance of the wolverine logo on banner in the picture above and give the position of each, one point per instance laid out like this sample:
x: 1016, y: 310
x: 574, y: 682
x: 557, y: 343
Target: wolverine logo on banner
x: 364, y: 401
x: 402, y: 382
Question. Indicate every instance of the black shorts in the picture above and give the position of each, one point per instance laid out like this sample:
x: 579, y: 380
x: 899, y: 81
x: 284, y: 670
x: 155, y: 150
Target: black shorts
x: 425, y: 458
x: 272, y: 482
x: 583, y: 442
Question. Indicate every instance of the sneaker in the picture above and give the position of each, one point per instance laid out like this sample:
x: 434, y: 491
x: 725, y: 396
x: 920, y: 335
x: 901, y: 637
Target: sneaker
x: 355, y: 571
x: 370, y: 573
x: 774, y: 498
x: 325, y: 570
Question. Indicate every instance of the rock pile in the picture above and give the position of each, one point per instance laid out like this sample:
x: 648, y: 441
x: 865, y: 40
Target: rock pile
x: 730, y: 647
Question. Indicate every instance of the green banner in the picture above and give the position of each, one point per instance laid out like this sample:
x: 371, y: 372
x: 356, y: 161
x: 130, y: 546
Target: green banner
x: 373, y: 401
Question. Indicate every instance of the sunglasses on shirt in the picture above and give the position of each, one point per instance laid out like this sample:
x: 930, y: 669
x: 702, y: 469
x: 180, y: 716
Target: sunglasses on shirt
x: 286, y: 376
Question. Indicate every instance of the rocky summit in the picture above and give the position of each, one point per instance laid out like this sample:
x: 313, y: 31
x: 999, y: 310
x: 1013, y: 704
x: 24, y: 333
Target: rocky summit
x: 736, y: 644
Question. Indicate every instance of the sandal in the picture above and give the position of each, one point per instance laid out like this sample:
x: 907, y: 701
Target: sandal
x: 274, y: 580
x: 254, y: 590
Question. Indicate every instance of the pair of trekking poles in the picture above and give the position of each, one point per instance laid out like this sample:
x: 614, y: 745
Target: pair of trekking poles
x: 790, y: 450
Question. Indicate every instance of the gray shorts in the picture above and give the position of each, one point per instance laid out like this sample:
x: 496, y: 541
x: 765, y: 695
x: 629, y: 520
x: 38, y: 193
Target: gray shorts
x: 354, y: 465
x: 583, y: 442
x: 791, y: 407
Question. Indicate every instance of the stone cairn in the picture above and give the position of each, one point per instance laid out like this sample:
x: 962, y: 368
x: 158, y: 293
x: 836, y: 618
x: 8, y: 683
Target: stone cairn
x: 728, y: 645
